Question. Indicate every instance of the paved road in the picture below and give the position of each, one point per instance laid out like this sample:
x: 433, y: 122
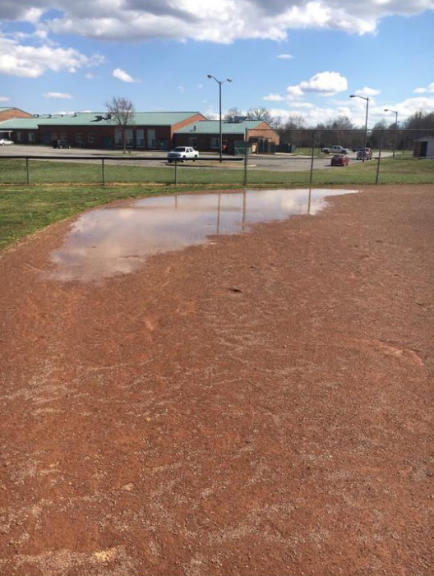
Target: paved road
x: 278, y: 162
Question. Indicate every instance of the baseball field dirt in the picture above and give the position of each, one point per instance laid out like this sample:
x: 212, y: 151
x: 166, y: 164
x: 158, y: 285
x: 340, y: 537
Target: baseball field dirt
x: 259, y: 405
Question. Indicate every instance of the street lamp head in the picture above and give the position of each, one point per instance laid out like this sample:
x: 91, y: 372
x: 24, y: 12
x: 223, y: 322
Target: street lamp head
x: 228, y: 79
x: 359, y: 96
x: 209, y: 75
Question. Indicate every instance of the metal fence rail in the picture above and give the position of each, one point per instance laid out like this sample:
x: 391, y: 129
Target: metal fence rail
x: 174, y: 164
x: 306, y: 158
x: 102, y: 160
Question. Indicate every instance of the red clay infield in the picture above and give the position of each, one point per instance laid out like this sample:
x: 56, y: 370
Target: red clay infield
x: 257, y: 406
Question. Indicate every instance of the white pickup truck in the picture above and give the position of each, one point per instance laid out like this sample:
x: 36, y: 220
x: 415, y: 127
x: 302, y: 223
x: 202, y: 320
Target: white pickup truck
x: 334, y: 150
x: 182, y: 153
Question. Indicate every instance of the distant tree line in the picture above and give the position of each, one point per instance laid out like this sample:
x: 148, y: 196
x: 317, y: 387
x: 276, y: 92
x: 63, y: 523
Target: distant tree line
x: 341, y: 130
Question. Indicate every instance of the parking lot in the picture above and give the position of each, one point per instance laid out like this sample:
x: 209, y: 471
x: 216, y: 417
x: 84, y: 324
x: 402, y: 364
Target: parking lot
x: 277, y: 162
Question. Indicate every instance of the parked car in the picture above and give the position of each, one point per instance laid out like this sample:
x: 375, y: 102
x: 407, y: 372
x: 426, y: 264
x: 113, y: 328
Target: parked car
x: 367, y: 155
x: 182, y: 153
x: 339, y: 160
x: 334, y: 150
x: 61, y: 144
x: 5, y: 142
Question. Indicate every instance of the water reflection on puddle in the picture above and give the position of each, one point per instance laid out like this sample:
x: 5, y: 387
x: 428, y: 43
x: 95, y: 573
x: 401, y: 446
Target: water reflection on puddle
x: 117, y: 240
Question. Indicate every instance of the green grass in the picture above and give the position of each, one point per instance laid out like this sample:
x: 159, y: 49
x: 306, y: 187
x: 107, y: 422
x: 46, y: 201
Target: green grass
x: 409, y: 171
x: 60, y: 190
x: 307, y: 151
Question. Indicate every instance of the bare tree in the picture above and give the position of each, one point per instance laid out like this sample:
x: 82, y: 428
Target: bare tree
x: 420, y: 120
x: 293, y: 131
x: 259, y: 114
x: 122, y: 111
x: 234, y: 115
x: 295, y: 122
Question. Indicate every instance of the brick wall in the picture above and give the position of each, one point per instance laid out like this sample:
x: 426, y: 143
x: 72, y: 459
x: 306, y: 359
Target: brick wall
x: 264, y: 132
x: 207, y: 142
x: 107, y: 137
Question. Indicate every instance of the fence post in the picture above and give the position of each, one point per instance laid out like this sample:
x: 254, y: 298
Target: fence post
x: 243, y: 220
x: 311, y: 160
x: 380, y: 144
x: 246, y: 158
x: 27, y: 171
x: 102, y: 171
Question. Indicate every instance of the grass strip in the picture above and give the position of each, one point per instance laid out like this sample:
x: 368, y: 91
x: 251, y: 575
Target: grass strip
x: 60, y: 190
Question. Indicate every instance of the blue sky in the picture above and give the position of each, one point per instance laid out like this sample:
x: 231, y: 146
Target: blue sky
x: 293, y: 57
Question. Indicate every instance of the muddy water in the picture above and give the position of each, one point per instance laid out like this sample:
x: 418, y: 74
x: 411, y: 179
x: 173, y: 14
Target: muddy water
x: 117, y: 240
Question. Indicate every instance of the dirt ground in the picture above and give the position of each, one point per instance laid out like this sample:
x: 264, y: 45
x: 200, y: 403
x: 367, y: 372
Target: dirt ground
x: 257, y: 406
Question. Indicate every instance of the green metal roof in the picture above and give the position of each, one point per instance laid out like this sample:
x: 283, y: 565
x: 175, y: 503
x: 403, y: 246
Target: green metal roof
x: 19, y: 124
x: 212, y: 127
x: 97, y: 119
x: 161, y: 118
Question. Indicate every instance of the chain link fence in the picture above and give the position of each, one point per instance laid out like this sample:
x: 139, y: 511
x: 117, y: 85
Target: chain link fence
x: 303, y: 157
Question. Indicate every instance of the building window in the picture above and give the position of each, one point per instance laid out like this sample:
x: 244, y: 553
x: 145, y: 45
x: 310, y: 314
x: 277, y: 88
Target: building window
x: 140, y: 137
x: 91, y: 138
x: 129, y: 137
x: 214, y: 143
x: 151, y: 138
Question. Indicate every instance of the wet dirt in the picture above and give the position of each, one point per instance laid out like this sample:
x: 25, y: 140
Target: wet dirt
x: 256, y: 405
x: 119, y: 239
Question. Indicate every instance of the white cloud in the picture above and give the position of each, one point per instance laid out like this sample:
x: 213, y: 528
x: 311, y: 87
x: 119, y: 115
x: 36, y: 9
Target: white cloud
x: 407, y: 107
x: 427, y: 89
x: 311, y: 114
x: 285, y: 56
x: 181, y: 89
x: 294, y: 92
x: 220, y: 21
x: 58, y: 95
x: 4, y: 98
x: 274, y: 97
x: 354, y: 110
x: 122, y: 75
x: 325, y: 83
x: 33, y: 61
x: 367, y: 92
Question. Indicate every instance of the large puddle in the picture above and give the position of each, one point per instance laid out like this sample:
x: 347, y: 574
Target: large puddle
x: 117, y: 240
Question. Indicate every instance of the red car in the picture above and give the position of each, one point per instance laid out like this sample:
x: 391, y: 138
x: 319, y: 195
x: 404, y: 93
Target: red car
x: 339, y: 160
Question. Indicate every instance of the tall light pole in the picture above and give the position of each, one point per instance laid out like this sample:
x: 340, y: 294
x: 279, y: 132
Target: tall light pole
x: 396, y: 128
x: 366, y: 98
x: 220, y: 82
